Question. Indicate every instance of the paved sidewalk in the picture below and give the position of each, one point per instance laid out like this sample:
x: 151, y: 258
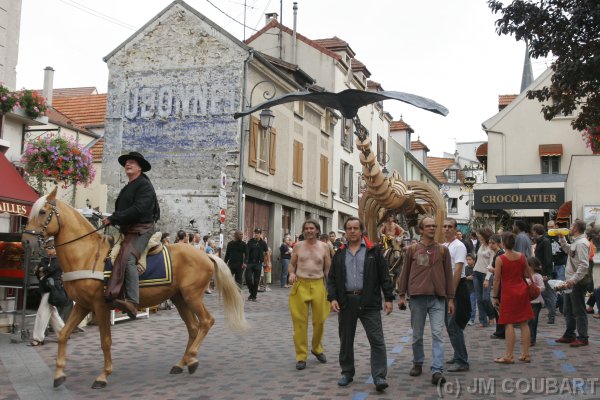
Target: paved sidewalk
x: 261, y: 364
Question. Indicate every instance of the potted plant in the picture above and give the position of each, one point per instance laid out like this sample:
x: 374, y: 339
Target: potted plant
x: 7, y: 100
x: 32, y: 103
x: 58, y: 159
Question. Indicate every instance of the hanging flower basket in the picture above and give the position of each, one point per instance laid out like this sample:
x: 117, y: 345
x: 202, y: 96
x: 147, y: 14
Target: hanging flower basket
x: 58, y: 159
x: 591, y: 138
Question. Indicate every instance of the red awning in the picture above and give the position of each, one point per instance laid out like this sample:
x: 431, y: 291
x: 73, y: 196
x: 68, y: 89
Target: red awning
x: 16, y: 196
x: 550, y: 150
x: 564, y: 212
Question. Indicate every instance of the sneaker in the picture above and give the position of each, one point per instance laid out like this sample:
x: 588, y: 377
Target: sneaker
x: 458, y: 368
x: 267, y: 289
x: 579, y: 343
x: 471, y: 323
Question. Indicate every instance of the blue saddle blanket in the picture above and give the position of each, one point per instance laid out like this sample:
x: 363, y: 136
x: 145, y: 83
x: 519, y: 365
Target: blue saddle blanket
x: 159, y: 270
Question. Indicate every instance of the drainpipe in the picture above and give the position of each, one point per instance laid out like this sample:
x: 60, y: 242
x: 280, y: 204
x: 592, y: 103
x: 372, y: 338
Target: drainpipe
x: 242, y: 145
x: 488, y: 131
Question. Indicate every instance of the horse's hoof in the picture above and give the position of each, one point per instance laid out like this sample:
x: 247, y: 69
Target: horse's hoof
x: 98, y: 385
x: 176, y: 370
x: 59, y: 381
x: 193, y: 367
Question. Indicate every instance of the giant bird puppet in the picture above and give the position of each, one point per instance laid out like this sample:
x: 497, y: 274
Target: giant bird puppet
x: 384, y: 195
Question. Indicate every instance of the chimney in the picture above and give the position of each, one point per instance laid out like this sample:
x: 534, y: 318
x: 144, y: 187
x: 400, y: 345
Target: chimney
x: 270, y: 16
x: 48, y: 84
x: 294, y: 44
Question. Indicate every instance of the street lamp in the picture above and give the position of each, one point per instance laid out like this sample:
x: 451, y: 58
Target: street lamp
x: 266, y: 119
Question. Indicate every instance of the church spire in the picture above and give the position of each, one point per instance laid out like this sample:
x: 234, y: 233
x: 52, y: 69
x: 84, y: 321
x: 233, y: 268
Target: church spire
x: 527, y: 77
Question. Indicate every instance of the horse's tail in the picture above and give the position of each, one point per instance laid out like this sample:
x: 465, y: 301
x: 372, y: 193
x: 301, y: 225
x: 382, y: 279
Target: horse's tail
x: 232, y: 296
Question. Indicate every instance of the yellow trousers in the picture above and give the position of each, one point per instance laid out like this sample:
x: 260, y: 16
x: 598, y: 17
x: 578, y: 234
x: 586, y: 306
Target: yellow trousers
x: 305, y: 293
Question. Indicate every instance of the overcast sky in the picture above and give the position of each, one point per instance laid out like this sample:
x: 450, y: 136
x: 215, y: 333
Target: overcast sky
x: 445, y: 50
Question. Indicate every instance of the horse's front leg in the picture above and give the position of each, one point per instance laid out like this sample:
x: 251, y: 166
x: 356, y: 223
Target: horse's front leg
x: 103, y: 319
x: 76, y: 316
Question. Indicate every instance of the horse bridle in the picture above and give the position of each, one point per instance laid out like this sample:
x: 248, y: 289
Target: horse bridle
x: 41, y: 235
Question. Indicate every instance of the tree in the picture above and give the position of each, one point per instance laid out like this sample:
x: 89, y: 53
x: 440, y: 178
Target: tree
x: 569, y: 30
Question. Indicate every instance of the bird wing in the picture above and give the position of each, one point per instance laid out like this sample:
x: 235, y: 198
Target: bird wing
x: 349, y: 101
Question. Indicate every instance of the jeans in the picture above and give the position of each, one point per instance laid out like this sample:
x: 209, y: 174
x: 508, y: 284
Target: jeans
x: 473, y: 298
x: 560, y: 275
x: 371, y: 322
x: 549, y: 296
x: 484, y: 304
x: 435, y: 307
x: 283, y: 279
x: 575, y: 315
x: 253, y: 278
x: 457, y: 340
x: 533, y: 323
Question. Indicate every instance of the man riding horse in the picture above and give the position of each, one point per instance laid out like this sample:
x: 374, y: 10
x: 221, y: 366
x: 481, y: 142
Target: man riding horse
x: 136, y: 211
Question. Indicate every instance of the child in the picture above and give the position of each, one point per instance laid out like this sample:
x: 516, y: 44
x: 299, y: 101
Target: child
x: 535, y: 269
x: 472, y: 296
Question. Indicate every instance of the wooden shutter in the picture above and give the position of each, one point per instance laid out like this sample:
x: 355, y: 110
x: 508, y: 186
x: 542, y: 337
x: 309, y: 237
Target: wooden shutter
x: 253, y: 141
x: 295, y: 162
x: 272, y: 151
x: 324, y: 174
x: 351, y: 183
x: 300, y: 162
x: 342, y: 180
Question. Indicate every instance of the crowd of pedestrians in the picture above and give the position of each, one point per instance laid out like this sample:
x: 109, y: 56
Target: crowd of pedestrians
x: 487, y: 277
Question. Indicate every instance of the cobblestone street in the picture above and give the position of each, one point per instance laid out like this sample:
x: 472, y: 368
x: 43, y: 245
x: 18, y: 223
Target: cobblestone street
x: 261, y: 364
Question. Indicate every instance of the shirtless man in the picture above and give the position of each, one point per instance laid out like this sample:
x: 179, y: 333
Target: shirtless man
x: 391, y: 229
x: 307, y: 271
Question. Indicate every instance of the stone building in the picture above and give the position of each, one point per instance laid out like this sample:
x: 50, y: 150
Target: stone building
x: 173, y: 88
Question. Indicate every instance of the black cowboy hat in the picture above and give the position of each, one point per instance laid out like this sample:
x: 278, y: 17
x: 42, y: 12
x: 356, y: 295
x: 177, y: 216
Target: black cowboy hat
x: 134, y: 155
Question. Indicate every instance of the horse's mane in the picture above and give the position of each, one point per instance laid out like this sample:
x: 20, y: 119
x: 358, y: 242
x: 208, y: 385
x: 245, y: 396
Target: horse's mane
x: 37, y: 206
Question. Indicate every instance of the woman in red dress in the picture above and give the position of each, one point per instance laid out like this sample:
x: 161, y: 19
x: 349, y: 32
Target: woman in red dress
x: 515, y: 308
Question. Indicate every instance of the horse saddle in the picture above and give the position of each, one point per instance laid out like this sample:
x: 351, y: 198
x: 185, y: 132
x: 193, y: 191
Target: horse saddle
x: 159, y: 270
x: 154, y: 247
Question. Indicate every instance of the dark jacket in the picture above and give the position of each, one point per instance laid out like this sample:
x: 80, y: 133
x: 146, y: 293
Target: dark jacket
x: 136, y: 204
x: 48, y: 268
x: 376, y: 278
x: 543, y: 252
x: 236, y: 252
x: 255, y: 251
x: 559, y: 257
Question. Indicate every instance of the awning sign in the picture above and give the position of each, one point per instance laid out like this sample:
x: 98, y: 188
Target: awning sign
x: 494, y: 199
x: 14, y: 208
